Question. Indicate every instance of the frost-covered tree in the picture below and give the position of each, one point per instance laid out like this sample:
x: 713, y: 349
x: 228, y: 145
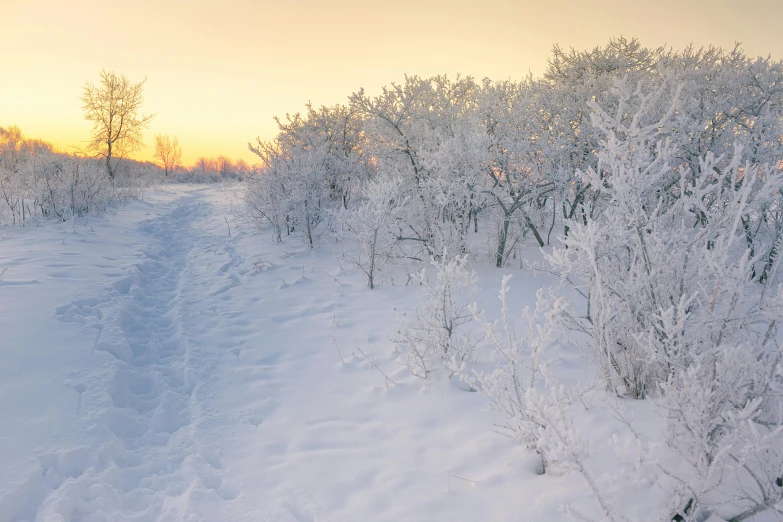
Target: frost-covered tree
x: 337, y: 131
x: 569, y: 141
x: 291, y: 190
x: 450, y: 201
x: 424, y: 133
x: 347, y: 167
x: 516, y: 188
x: 393, y: 128
x: 315, y: 163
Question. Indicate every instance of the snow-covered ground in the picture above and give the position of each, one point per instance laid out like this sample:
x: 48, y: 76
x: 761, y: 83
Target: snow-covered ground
x: 156, y: 368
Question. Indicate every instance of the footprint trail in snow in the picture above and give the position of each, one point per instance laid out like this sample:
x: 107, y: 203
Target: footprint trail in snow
x: 147, y: 460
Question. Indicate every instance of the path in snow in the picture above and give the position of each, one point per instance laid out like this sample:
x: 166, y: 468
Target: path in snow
x: 146, y: 460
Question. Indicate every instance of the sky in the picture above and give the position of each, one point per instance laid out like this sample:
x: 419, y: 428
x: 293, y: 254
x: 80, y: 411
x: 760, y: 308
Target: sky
x: 219, y: 71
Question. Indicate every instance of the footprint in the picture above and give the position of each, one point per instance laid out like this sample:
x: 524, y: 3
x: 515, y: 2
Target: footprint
x: 123, y: 286
x: 79, y: 388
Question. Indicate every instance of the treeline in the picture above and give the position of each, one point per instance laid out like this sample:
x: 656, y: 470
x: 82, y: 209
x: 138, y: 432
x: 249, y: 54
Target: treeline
x: 213, y: 170
x: 660, y: 174
x: 508, y: 156
x: 37, y: 181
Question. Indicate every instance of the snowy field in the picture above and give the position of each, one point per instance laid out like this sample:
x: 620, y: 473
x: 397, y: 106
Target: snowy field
x: 156, y: 368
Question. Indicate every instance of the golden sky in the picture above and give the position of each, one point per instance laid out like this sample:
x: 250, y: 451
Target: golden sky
x: 218, y: 71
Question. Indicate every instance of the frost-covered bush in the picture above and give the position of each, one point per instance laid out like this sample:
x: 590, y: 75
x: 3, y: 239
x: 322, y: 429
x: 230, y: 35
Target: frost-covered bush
x: 56, y: 185
x: 373, y: 228
x: 37, y: 182
x: 70, y: 186
x: 518, y: 387
x: 674, y: 307
x: 132, y: 178
x: 267, y: 197
x: 425, y: 133
x: 311, y: 168
x: 289, y: 194
x: 724, y: 419
x: 661, y: 235
x: 433, y: 336
x: 12, y: 192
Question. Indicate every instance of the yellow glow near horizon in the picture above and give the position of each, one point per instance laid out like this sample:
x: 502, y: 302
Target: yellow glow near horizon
x: 217, y: 72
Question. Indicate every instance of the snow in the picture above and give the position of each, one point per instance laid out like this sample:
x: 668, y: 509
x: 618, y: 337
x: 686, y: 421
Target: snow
x: 156, y: 368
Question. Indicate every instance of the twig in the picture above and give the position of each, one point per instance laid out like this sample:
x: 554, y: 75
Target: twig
x: 334, y: 340
x: 448, y: 480
x: 376, y: 366
x: 329, y: 276
x: 463, y: 478
x: 229, y: 226
x: 261, y: 265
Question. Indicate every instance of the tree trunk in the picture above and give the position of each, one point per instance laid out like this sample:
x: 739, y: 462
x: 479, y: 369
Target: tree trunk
x: 108, y: 162
x: 533, y: 229
x: 308, y: 228
x: 502, y: 243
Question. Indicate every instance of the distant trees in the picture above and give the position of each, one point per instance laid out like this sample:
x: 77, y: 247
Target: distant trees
x: 168, y: 152
x: 215, y: 169
x: 11, y: 145
x: 10, y: 186
x: 113, y: 108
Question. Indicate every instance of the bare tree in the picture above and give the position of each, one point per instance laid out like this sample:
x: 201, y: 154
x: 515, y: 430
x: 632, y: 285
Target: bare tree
x: 168, y: 151
x: 113, y: 107
x: 225, y: 165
